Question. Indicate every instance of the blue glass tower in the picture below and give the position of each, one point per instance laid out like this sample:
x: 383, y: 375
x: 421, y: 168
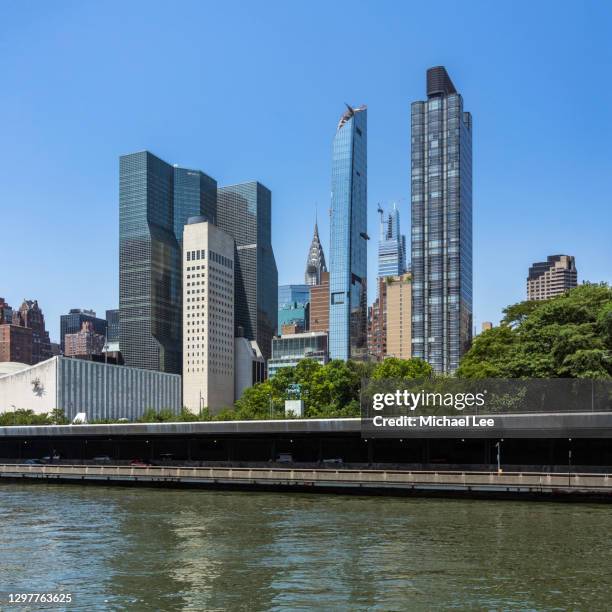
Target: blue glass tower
x: 391, y: 245
x: 348, y: 238
x: 293, y: 303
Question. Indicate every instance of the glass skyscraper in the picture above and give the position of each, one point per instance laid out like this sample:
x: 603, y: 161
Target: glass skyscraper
x: 293, y: 306
x: 441, y: 224
x: 348, y: 238
x: 112, y: 325
x: 391, y: 245
x: 290, y: 294
x: 244, y: 211
x: 155, y: 201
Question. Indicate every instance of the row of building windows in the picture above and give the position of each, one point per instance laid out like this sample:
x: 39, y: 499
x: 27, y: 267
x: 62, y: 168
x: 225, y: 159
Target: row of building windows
x: 216, y: 257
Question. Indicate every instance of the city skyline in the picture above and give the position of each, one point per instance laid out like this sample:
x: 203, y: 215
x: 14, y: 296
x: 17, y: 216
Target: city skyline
x: 527, y: 168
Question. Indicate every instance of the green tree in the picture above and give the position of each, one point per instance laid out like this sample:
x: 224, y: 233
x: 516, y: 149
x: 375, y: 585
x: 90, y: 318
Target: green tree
x: 334, y: 387
x: 393, y: 367
x: 258, y: 402
x: 23, y: 417
x: 57, y: 417
x: 568, y: 336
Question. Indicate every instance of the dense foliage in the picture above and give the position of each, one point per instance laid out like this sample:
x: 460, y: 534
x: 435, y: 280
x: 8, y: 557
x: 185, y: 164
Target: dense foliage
x: 569, y: 336
x: 28, y: 417
x: 330, y: 390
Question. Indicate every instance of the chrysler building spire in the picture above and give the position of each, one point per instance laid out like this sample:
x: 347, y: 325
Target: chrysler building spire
x: 316, y: 260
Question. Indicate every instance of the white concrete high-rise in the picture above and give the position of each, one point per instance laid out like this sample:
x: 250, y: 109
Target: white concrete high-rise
x: 208, y: 316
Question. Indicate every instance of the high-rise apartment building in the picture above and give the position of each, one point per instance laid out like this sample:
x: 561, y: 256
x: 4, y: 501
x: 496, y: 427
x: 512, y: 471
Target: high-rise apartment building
x: 85, y: 343
x: 391, y: 262
x: 6, y: 312
x: 319, y: 305
x: 244, y: 211
x: 208, y: 316
x: 377, y: 323
x: 441, y: 224
x: 315, y: 264
x: 398, y: 327
x: 552, y: 277
x: 15, y: 343
x: 348, y: 238
x: 30, y: 315
x: 155, y: 201
x: 72, y: 323
x: 391, y: 244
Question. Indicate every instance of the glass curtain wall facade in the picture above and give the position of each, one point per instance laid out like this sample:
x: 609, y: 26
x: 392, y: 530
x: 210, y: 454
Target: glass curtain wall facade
x: 195, y: 194
x: 291, y: 294
x: 288, y: 351
x: 155, y: 202
x: 441, y: 225
x: 244, y: 211
x: 112, y: 325
x: 391, y: 245
x: 348, y: 238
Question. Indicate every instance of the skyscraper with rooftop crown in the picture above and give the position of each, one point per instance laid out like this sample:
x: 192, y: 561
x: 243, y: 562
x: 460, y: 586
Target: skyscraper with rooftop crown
x: 315, y: 264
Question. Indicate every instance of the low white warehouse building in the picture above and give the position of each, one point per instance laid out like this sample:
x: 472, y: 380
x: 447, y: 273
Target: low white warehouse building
x: 99, y: 390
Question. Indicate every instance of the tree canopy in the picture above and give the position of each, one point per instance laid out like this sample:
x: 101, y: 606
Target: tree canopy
x: 330, y: 390
x: 569, y: 336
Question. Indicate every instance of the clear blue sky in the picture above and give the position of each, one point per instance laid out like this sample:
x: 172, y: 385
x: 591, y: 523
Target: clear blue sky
x: 254, y: 90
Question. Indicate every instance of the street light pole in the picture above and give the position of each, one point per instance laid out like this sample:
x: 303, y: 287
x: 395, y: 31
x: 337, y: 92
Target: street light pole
x: 569, y: 463
x: 498, y: 446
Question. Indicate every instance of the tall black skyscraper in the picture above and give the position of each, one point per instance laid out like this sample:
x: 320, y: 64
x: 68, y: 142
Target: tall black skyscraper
x: 155, y: 201
x: 441, y: 224
x: 244, y: 211
x: 112, y: 325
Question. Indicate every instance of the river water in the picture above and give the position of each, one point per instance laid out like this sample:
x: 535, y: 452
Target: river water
x: 162, y: 549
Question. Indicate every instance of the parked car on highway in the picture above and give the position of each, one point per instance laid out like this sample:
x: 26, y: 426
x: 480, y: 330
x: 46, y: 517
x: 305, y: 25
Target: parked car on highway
x: 34, y: 462
x: 102, y: 459
x: 139, y: 463
x: 333, y: 461
x: 284, y: 458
